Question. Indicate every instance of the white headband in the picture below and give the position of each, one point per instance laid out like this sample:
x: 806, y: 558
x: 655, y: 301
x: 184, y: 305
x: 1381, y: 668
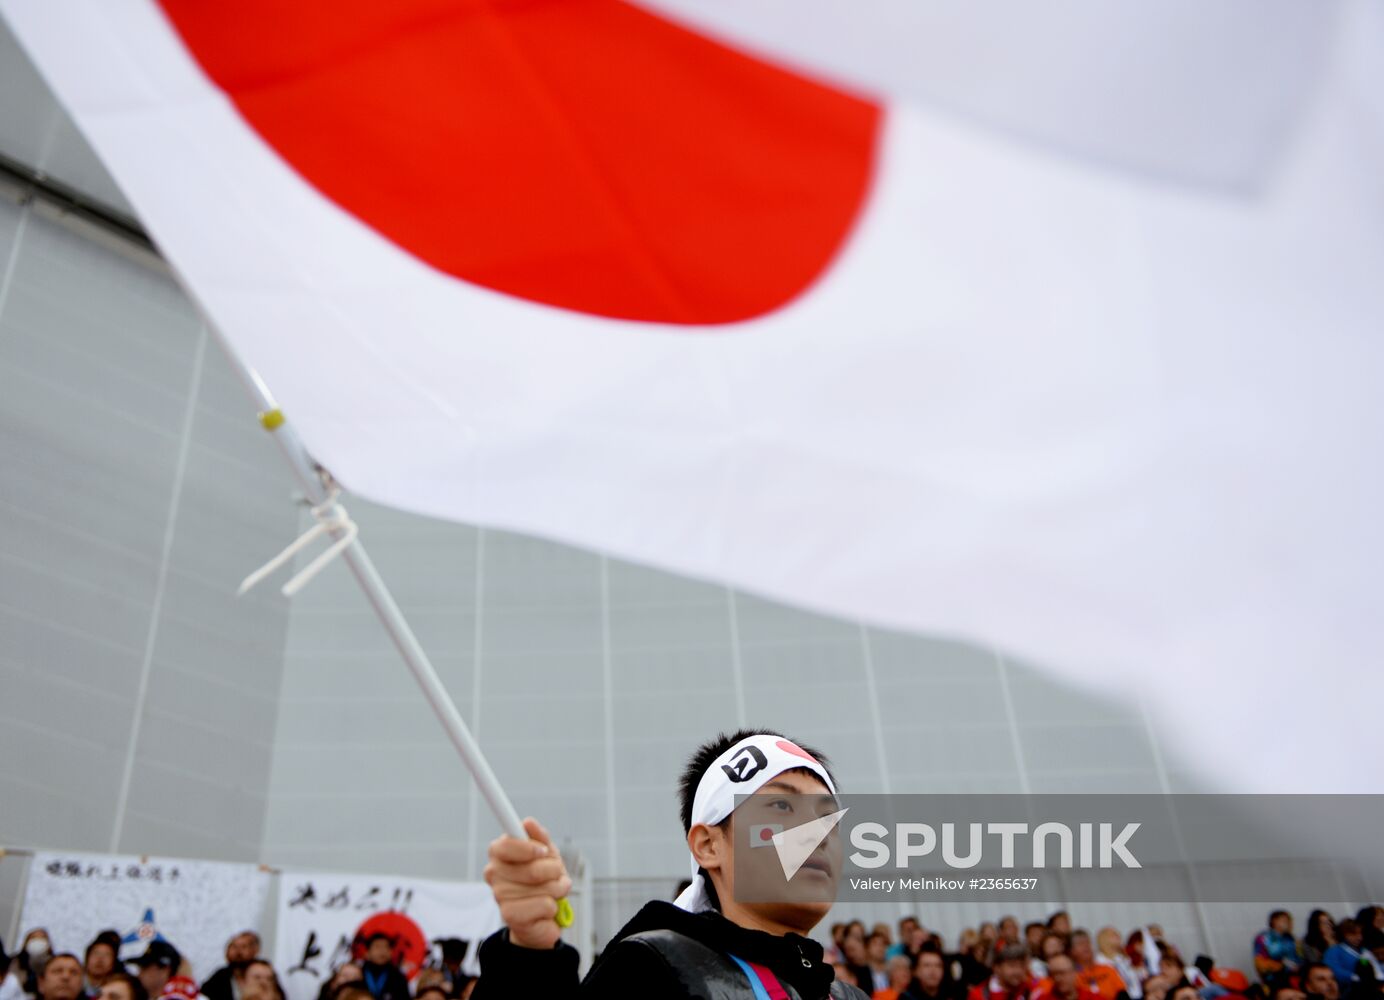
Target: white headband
x: 742, y: 770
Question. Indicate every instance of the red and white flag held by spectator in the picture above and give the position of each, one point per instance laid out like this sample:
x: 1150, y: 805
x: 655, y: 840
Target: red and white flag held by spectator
x: 1055, y: 327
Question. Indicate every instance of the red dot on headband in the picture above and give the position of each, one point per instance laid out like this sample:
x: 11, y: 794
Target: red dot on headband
x: 793, y: 748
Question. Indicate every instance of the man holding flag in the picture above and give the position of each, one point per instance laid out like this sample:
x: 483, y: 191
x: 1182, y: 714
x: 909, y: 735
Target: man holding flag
x: 708, y: 942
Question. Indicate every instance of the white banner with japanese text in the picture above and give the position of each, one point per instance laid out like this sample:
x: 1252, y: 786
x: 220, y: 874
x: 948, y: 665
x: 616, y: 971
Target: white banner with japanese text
x: 324, y: 921
x: 194, y: 905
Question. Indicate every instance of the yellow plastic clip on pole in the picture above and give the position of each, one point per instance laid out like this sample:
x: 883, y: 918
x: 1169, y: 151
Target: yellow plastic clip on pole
x: 565, y: 916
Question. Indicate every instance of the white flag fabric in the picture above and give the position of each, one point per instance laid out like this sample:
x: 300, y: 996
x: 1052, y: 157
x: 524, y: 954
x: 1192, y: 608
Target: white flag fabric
x: 1102, y: 391
x: 194, y: 905
x: 324, y: 920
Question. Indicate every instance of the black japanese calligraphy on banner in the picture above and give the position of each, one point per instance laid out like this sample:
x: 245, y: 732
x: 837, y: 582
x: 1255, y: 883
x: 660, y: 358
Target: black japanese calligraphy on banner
x: 325, y: 920
x: 189, y: 903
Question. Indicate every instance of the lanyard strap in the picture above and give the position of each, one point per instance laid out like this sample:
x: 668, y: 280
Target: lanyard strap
x: 762, y: 981
x: 376, y: 988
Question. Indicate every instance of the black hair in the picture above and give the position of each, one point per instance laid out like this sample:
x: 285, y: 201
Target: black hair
x: 1278, y: 913
x: 1314, y: 934
x: 1053, y: 919
x: 1307, y: 968
x: 137, y: 990
x: 705, y: 755
x: 931, y: 947
x: 62, y: 954
x: 377, y: 936
x: 102, y: 939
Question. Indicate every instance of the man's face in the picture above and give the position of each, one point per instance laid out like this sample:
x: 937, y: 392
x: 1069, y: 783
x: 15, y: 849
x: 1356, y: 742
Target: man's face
x: 1033, y: 937
x: 1354, y: 937
x: 1185, y: 993
x: 1012, y: 973
x: 241, y: 949
x: 100, y: 961
x: 155, y: 978
x: 1063, y: 972
x: 1171, y: 967
x: 1156, y: 987
x: 1108, y: 940
x: 930, y: 970
x: 1282, y: 923
x: 1320, y: 980
x: 1081, y: 950
x: 787, y: 801
x: 379, y: 951
x: 1061, y: 924
x: 1009, y: 929
x: 1052, y: 945
x: 1290, y: 994
x: 62, y: 979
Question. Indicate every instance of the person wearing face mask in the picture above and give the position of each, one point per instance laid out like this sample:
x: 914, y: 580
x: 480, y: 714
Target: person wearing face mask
x: 33, y: 956
x: 227, y: 982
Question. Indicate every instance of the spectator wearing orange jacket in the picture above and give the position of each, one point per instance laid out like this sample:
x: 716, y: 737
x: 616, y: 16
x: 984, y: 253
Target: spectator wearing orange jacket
x: 1103, y: 979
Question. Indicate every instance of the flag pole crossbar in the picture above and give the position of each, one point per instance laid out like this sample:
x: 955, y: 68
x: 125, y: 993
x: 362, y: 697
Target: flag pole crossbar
x: 332, y: 521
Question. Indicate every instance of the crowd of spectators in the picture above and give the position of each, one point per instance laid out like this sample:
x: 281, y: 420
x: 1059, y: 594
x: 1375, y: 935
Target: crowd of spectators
x: 1051, y: 960
x: 35, y: 972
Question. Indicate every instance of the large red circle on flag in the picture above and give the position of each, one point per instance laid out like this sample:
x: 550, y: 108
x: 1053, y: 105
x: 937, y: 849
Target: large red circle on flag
x: 410, y: 944
x: 586, y: 154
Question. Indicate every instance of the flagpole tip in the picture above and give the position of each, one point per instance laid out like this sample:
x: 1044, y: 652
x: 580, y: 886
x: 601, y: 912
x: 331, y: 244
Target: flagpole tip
x: 272, y: 419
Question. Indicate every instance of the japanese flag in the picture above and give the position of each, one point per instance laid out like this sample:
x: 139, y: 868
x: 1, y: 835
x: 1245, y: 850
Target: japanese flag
x: 1053, y: 327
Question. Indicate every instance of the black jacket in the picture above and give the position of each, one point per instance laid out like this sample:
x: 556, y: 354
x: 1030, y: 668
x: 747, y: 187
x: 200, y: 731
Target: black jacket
x: 664, y: 952
x: 218, y: 985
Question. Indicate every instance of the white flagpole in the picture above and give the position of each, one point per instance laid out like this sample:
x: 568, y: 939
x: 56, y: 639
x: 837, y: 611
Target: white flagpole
x: 320, y: 491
